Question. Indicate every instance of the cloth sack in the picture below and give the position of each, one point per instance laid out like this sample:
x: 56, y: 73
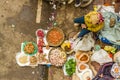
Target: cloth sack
x: 101, y: 57
x: 85, y: 44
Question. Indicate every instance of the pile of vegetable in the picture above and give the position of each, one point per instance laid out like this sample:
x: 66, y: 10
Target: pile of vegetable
x: 40, y: 33
x: 70, y: 66
x: 40, y: 42
x: 40, y: 45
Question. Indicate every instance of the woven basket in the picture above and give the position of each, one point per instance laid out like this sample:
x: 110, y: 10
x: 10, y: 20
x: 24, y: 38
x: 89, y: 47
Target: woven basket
x: 60, y: 42
x: 60, y: 50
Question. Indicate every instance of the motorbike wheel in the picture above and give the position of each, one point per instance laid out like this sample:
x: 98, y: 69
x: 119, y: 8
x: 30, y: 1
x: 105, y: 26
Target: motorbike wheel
x: 86, y: 3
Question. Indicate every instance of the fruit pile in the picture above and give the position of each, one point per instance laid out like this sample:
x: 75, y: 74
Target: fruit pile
x: 40, y: 45
x: 40, y: 35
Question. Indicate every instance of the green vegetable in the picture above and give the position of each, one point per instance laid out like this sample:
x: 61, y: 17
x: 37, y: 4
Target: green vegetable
x: 70, y: 66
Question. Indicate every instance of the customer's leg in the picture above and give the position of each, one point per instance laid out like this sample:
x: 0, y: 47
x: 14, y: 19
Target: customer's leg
x: 78, y: 21
x: 83, y: 32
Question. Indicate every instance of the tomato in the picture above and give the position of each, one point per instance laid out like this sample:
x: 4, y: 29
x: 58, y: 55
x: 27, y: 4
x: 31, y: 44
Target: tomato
x: 40, y: 33
x: 111, y: 55
x: 40, y: 50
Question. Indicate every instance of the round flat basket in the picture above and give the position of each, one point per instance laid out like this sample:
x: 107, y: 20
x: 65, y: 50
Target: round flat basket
x: 55, y: 36
x: 57, y: 57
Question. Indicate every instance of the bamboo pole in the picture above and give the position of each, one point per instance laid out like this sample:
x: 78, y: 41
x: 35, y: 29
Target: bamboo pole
x: 39, y: 9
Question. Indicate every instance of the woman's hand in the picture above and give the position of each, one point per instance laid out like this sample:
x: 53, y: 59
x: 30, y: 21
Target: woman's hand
x: 83, y: 26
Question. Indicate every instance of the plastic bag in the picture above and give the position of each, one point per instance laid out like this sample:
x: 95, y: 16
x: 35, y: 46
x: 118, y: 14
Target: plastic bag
x: 85, y: 44
x: 101, y: 57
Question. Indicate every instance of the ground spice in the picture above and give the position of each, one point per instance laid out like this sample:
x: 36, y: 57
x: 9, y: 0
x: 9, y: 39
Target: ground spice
x: 55, y: 36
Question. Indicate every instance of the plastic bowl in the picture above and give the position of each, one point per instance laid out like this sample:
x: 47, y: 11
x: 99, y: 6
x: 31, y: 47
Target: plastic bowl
x: 35, y: 48
x: 18, y: 56
x: 40, y: 33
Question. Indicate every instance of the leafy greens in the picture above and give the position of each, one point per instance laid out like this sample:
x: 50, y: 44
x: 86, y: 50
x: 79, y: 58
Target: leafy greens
x: 70, y: 66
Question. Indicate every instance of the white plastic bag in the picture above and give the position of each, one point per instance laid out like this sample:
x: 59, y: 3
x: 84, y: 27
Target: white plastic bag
x: 101, y: 57
x: 85, y: 44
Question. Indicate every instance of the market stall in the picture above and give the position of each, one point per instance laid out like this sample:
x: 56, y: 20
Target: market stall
x: 56, y: 51
x: 82, y: 59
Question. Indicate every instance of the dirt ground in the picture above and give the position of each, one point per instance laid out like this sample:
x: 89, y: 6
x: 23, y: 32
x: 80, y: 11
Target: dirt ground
x: 17, y: 24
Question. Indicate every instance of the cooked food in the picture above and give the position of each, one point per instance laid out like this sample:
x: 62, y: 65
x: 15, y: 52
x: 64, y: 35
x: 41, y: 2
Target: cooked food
x: 55, y: 36
x: 57, y: 57
x: 29, y: 48
x: 23, y: 59
x: 33, y: 60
